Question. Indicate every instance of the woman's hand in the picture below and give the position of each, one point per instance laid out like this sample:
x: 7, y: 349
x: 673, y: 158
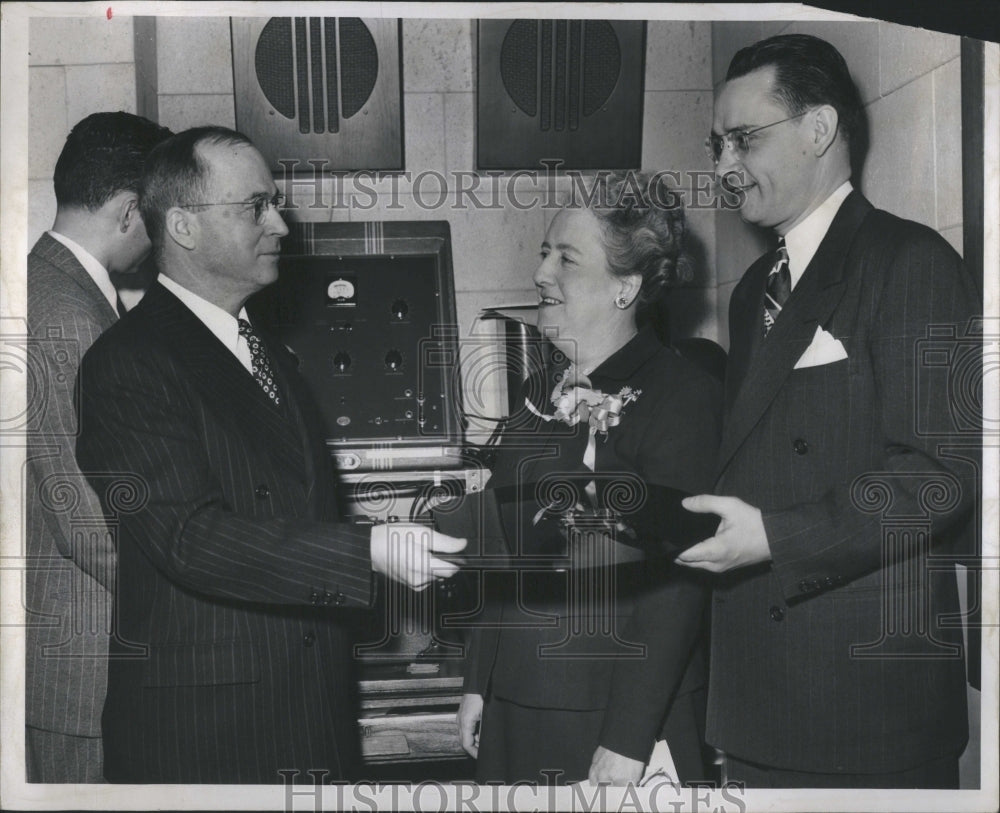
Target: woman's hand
x: 610, y: 768
x: 470, y: 714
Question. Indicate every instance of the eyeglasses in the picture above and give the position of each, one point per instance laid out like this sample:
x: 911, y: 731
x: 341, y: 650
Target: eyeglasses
x: 261, y: 204
x: 739, y: 140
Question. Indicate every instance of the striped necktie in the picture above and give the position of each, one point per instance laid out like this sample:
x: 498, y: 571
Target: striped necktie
x: 779, y: 287
x: 260, y: 364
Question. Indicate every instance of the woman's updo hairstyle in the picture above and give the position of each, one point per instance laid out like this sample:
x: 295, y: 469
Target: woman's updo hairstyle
x: 642, y: 222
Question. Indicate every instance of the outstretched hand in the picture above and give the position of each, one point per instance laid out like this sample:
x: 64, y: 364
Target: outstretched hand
x: 405, y: 553
x: 739, y: 541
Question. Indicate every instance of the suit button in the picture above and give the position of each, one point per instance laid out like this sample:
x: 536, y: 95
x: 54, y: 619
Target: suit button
x: 262, y: 491
x: 800, y: 446
x: 308, y: 639
x: 314, y: 597
x: 804, y: 586
x: 327, y: 598
x: 341, y: 599
x: 777, y: 614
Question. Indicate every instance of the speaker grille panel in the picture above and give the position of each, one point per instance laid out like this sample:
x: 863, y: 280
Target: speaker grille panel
x: 315, y: 61
x: 315, y: 38
x: 559, y: 69
x: 302, y: 76
x: 333, y: 117
x: 575, y: 59
x: 602, y: 65
x: 563, y: 90
x: 358, y: 64
x: 520, y: 48
x: 545, y: 76
x: 273, y: 65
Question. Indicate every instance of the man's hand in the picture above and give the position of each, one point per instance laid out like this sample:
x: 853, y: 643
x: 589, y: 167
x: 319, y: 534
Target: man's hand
x: 404, y: 552
x: 739, y: 541
x: 470, y: 714
x: 610, y: 768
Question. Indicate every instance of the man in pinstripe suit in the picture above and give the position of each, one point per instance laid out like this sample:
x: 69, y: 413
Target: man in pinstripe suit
x: 833, y: 663
x: 71, y: 568
x: 232, y: 654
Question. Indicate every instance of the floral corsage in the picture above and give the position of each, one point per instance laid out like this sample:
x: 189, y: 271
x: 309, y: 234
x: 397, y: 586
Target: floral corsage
x: 575, y: 402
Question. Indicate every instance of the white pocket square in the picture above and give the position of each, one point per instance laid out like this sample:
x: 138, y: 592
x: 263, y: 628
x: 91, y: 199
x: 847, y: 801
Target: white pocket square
x: 824, y: 349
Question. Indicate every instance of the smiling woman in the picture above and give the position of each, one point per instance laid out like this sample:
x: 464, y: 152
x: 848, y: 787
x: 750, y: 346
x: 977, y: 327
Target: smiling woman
x: 567, y: 681
x: 603, y: 264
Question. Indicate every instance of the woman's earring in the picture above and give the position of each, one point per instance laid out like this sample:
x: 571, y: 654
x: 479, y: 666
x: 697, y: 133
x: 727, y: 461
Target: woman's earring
x: 621, y: 302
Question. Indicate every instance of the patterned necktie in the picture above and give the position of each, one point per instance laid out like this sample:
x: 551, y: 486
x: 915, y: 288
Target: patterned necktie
x: 260, y: 364
x: 779, y: 287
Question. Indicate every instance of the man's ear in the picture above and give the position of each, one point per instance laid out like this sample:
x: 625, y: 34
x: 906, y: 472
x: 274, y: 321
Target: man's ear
x: 181, y: 227
x: 125, y: 208
x: 824, y: 132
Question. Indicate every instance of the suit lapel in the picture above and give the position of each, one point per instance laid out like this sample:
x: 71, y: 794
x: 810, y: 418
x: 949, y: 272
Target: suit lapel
x: 746, y: 329
x: 811, y: 304
x: 56, y: 254
x: 223, y: 381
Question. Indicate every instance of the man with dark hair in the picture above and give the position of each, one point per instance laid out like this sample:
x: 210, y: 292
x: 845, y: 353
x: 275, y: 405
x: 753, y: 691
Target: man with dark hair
x: 98, y: 229
x: 832, y: 660
x: 236, y: 570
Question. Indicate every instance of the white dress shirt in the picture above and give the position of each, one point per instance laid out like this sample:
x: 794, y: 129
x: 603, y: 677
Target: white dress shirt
x: 222, y: 324
x: 803, y: 240
x: 97, y: 272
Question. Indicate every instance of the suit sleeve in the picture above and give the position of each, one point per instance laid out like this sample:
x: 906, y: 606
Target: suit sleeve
x: 679, y: 451
x: 52, y: 466
x: 139, y: 418
x: 838, y: 538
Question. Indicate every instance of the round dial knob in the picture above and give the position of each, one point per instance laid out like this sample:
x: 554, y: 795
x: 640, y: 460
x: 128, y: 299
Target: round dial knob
x: 400, y: 309
x: 342, y: 362
x: 394, y: 360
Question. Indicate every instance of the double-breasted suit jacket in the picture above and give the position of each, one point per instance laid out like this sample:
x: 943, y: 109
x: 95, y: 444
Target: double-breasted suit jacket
x: 843, y: 652
x: 71, y: 559
x: 231, y: 660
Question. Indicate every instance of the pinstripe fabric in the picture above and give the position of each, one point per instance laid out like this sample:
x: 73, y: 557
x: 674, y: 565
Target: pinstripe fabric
x: 71, y: 559
x: 226, y: 562
x: 785, y: 690
x: 62, y: 758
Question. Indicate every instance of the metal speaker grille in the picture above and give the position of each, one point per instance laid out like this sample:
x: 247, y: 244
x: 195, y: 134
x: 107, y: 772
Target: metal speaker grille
x: 358, y: 64
x: 273, y: 65
x: 318, y: 70
x: 560, y: 70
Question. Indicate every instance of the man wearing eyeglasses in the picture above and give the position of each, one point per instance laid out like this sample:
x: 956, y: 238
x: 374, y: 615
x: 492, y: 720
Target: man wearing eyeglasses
x: 832, y: 661
x: 231, y: 661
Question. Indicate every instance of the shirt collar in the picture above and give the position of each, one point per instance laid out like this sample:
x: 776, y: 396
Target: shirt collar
x: 97, y: 272
x: 803, y: 240
x: 223, y: 325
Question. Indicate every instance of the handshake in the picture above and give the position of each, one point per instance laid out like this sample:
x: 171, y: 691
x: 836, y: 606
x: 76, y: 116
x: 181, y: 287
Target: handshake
x: 405, y: 552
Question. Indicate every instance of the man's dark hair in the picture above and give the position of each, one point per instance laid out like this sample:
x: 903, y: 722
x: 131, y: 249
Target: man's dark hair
x: 176, y: 174
x: 104, y: 154
x: 808, y: 71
